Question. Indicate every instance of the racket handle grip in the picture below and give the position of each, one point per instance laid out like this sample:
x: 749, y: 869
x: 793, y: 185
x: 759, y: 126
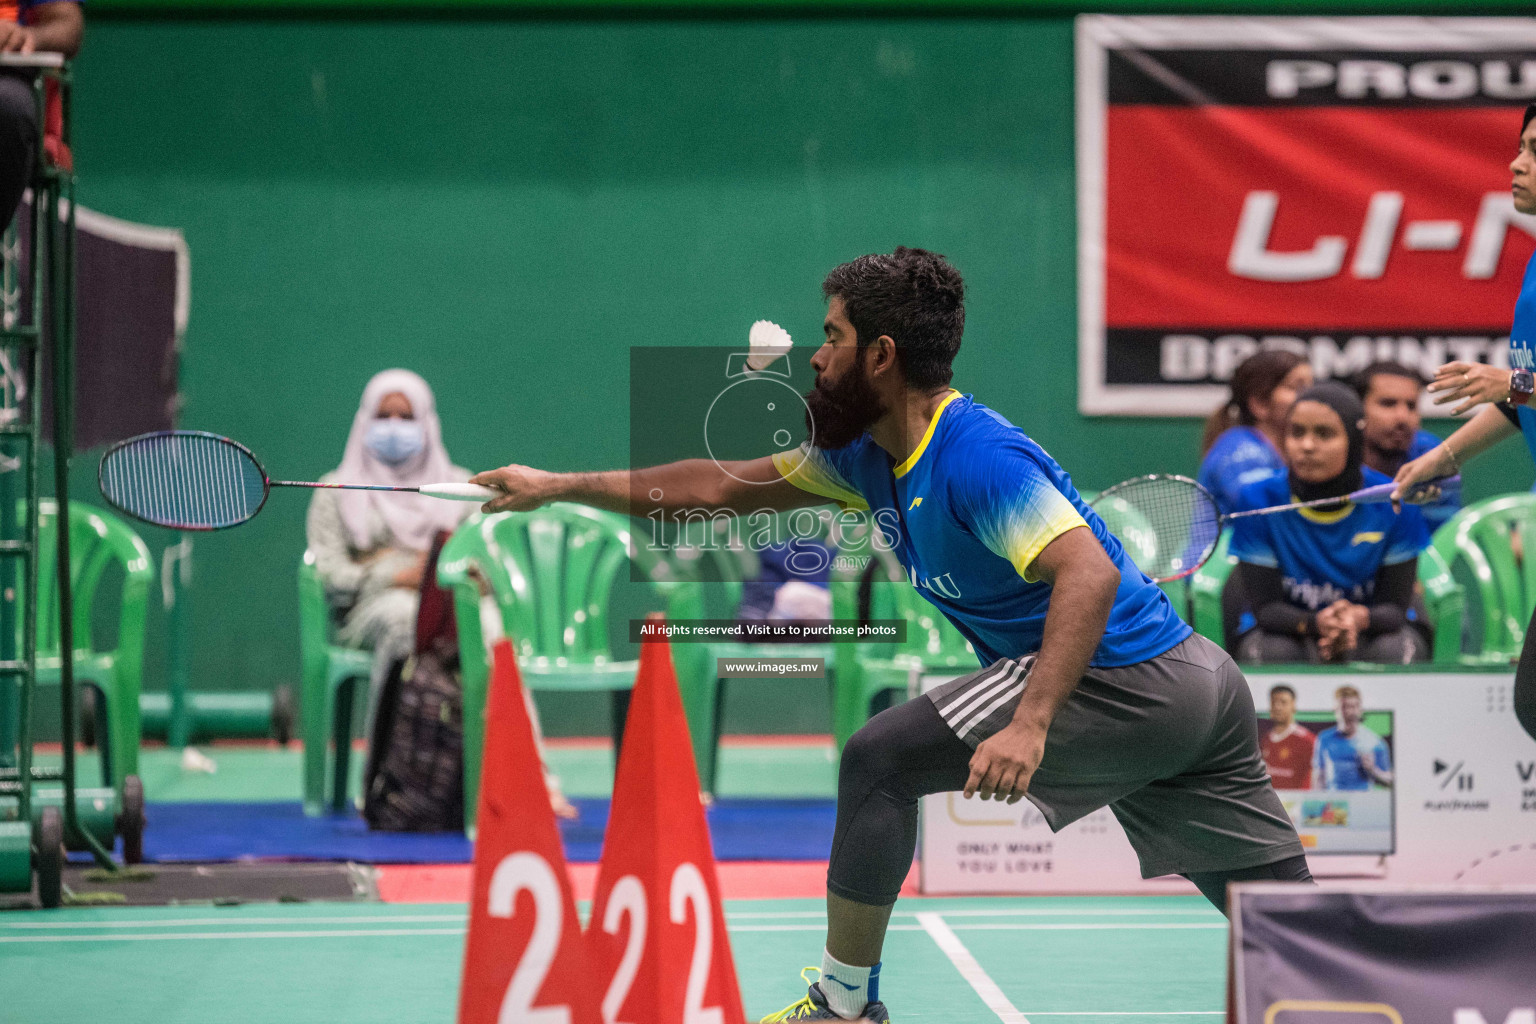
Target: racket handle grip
x: 459, y: 492
x: 1379, y: 492
x: 1383, y: 492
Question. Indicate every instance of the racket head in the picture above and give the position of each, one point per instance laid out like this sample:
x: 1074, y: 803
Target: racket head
x: 1168, y: 524
x: 183, y: 479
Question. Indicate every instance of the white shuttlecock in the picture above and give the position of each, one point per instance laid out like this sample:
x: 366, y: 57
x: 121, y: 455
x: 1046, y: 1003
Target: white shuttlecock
x: 194, y: 760
x: 766, y: 342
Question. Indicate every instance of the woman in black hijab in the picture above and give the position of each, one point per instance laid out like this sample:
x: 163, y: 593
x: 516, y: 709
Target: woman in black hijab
x: 1333, y: 583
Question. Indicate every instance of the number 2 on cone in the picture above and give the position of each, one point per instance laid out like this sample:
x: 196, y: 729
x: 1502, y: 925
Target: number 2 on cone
x: 525, y: 870
x: 627, y: 899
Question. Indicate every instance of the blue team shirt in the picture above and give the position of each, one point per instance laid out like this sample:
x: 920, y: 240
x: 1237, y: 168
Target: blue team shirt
x: 1336, y: 758
x: 968, y: 513
x: 1325, y: 556
x: 1522, y: 346
x: 1239, y: 457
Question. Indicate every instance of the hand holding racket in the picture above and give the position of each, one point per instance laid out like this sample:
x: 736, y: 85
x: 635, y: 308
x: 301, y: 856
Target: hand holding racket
x: 193, y: 480
x: 1175, y: 522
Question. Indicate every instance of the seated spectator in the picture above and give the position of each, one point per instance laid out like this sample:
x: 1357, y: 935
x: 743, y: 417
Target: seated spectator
x: 1243, y: 438
x: 791, y: 585
x: 370, y: 546
x: 1390, y: 393
x: 1332, y: 583
x: 28, y: 26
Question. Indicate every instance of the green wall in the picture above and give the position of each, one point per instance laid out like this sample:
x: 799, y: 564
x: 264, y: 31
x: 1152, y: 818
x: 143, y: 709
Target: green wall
x: 507, y: 206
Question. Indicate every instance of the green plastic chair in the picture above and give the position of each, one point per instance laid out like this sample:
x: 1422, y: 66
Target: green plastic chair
x: 722, y: 569
x: 1479, y: 537
x: 1205, y: 587
x: 98, y: 540
x: 552, y: 573
x: 1444, y: 600
x: 865, y: 670
x: 329, y: 681
x: 1127, y: 523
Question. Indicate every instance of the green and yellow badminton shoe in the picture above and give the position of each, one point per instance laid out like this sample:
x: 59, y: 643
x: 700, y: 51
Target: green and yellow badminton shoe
x: 814, y: 1007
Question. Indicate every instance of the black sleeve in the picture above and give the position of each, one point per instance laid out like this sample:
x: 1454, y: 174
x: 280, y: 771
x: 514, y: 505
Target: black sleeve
x: 1394, y: 593
x: 1509, y: 413
x: 1266, y: 595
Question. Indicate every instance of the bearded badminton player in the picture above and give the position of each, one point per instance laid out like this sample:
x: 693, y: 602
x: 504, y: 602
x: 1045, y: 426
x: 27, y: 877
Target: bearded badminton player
x: 1092, y: 692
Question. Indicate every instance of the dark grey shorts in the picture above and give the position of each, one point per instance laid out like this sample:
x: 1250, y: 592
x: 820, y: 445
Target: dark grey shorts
x: 1171, y: 745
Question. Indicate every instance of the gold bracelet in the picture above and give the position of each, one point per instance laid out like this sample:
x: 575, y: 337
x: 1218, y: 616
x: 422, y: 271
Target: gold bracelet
x: 1455, y: 462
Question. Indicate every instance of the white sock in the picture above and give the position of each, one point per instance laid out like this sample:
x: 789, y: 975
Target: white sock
x: 848, y: 989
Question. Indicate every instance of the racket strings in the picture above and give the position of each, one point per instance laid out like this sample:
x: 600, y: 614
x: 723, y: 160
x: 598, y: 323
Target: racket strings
x: 190, y: 481
x: 1169, y: 525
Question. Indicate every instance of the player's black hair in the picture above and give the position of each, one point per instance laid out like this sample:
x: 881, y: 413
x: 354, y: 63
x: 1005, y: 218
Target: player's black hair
x: 1530, y: 112
x: 913, y: 296
x: 1281, y: 688
x: 1363, y: 380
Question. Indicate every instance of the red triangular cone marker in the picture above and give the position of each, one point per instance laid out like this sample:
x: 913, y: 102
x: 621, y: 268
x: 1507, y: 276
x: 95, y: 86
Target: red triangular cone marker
x: 524, y: 962
x: 657, y: 935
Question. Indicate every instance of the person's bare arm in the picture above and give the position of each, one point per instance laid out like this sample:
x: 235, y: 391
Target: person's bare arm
x: 1083, y: 583
x: 55, y: 27
x: 1471, y: 439
x: 677, y: 486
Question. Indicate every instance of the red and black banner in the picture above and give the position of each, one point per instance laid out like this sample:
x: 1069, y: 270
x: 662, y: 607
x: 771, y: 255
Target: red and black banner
x: 1337, y: 186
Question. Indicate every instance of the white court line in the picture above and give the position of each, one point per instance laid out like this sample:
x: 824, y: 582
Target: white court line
x: 1022, y: 912
x: 987, y: 926
x: 970, y: 970
x: 1087, y: 926
x: 185, y: 922
x: 350, y: 933
x: 107, y: 936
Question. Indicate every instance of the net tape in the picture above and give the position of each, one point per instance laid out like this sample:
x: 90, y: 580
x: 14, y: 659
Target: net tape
x: 189, y: 481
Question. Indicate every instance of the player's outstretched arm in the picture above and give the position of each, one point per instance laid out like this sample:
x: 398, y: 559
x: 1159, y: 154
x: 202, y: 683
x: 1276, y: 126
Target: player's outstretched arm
x: 1083, y: 583
x: 675, y: 487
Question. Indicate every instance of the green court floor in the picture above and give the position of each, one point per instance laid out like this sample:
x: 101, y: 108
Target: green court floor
x: 1140, y: 960
x: 256, y: 773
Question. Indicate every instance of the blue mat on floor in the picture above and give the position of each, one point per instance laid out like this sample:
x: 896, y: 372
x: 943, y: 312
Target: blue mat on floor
x: 742, y: 829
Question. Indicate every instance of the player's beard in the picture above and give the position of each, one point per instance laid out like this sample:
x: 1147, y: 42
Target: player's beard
x: 836, y: 414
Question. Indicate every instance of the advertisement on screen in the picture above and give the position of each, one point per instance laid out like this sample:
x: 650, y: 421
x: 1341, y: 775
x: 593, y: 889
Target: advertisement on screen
x: 1400, y: 776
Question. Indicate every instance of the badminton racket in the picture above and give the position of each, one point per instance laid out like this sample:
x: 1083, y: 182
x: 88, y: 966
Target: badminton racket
x: 194, y: 480
x: 1170, y: 524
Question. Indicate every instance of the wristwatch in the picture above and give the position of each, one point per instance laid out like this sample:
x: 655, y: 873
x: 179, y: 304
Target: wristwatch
x: 1522, y: 384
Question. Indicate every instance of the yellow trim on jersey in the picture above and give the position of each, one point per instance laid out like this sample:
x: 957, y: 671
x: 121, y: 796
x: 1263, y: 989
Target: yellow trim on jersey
x: 1024, y: 560
x: 922, y: 446
x: 1313, y: 515
x: 811, y: 473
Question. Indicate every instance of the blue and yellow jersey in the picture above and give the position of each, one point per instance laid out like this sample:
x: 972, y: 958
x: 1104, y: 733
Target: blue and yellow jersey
x: 1522, y: 347
x: 968, y: 513
x: 1325, y: 556
x: 1240, y: 456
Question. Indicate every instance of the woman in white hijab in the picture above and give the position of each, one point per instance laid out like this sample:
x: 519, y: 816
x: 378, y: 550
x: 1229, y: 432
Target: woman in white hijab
x: 370, y: 547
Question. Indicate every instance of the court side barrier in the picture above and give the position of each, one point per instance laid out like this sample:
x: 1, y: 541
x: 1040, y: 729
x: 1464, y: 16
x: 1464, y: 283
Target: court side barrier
x: 1379, y: 954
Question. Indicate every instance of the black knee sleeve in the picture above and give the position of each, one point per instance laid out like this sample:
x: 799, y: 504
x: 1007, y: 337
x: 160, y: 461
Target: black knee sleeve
x: 900, y: 755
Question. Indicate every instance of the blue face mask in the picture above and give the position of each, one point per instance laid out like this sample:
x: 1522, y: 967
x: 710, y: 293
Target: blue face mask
x: 393, y: 441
